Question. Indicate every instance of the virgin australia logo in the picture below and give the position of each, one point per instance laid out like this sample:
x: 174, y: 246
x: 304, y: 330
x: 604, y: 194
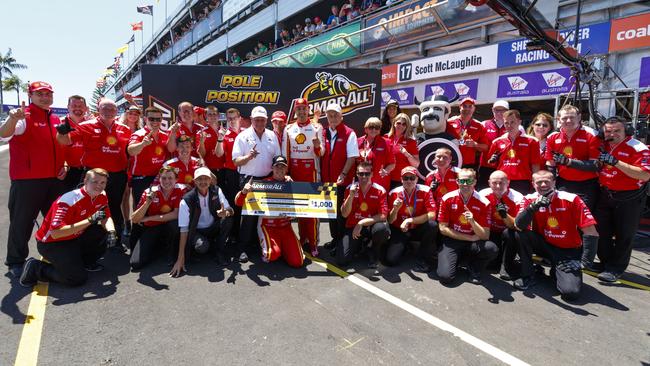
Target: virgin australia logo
x: 517, y: 82
x: 553, y: 79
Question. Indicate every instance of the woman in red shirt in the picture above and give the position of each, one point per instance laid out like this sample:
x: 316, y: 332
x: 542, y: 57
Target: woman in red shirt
x: 405, y: 148
x: 376, y: 150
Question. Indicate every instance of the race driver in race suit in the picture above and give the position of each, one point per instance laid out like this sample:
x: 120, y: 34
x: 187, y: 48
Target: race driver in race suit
x: 302, y: 147
x: 276, y: 234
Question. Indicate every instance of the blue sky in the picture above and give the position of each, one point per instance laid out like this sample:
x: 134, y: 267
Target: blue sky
x: 69, y: 43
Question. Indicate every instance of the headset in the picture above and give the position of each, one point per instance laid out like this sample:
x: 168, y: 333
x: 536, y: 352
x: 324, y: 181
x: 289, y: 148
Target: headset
x: 629, y: 127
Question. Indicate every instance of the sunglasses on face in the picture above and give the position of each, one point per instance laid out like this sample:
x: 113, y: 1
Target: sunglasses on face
x: 540, y: 125
x: 400, y: 123
x: 363, y: 174
x: 155, y: 119
x: 465, y: 181
x: 373, y: 127
x: 409, y: 177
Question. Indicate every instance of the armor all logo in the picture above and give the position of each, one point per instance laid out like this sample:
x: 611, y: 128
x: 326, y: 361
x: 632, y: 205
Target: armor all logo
x: 329, y: 89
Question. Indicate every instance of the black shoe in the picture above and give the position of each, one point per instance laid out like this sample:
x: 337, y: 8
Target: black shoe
x: 523, y: 283
x: 422, y: 267
x: 222, y: 260
x: 609, y: 276
x: 15, y: 270
x: 330, y: 245
x: 28, y: 277
x: 503, y: 274
x: 474, y: 277
x: 243, y: 257
x: 94, y: 267
x: 593, y: 267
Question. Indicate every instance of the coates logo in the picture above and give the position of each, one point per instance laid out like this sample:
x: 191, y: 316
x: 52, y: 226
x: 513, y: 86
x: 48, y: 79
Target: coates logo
x: 389, y: 75
x: 553, y: 79
x: 461, y: 88
x: 517, y: 82
x: 329, y: 89
x: 631, y: 32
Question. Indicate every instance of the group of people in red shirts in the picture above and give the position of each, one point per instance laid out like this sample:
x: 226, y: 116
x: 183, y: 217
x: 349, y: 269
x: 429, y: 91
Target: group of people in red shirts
x: 568, y: 198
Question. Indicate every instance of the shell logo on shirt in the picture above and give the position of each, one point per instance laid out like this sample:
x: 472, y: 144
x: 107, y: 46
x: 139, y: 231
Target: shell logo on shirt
x: 158, y: 150
x: 300, y: 139
x: 568, y: 150
x: 188, y: 178
x: 511, y: 153
x: 363, y: 206
x: 462, y: 219
x: 165, y: 209
x: 552, y: 222
x: 111, y: 140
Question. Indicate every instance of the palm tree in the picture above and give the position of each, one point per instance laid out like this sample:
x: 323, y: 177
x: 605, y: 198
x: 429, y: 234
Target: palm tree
x: 7, y: 66
x: 14, y: 83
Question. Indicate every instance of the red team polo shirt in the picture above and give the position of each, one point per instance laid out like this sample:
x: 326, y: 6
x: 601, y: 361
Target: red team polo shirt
x: 492, y: 131
x: 417, y: 203
x: 447, y: 182
x: 74, y: 152
x: 631, y: 151
x: 511, y: 198
x: 380, y: 154
x: 401, y: 161
x: 368, y: 205
x: 228, y: 142
x: 212, y: 161
x: 517, y: 157
x: 185, y: 172
x: 104, y: 148
x: 452, y: 208
x: 151, y: 158
x: 559, y: 222
x: 159, y: 205
x: 583, y: 145
x: 69, y: 209
x: 475, y: 131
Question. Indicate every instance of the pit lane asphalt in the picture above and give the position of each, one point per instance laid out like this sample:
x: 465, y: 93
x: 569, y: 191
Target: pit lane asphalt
x: 259, y: 313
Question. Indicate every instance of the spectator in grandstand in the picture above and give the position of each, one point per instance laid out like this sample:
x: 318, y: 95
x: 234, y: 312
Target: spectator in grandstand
x: 235, y: 59
x: 540, y: 128
x: 319, y: 26
x: 494, y: 128
x: 375, y: 149
x: 187, y: 126
x: 333, y: 20
x: 404, y: 147
x: 309, y: 29
x: 470, y: 132
x: 284, y: 39
x: 261, y: 48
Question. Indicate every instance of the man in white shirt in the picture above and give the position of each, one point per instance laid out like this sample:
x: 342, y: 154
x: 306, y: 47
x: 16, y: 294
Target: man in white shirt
x: 204, y: 219
x: 252, y: 154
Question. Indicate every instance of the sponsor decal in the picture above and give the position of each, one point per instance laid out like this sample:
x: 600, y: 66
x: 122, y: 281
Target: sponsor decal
x: 337, y: 88
x: 630, y: 32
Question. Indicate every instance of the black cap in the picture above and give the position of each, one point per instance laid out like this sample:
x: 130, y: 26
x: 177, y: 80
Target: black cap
x: 280, y: 160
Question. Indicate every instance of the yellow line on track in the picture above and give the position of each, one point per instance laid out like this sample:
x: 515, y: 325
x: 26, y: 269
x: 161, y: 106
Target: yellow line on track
x: 30, y: 340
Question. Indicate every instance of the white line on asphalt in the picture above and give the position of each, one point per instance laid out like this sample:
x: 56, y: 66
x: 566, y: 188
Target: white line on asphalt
x: 438, y: 323
x: 4, y: 147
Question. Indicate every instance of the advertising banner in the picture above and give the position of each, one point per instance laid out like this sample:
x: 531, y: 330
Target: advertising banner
x: 356, y: 90
x: 538, y: 83
x: 630, y: 32
x: 592, y: 40
x: 389, y: 75
x: 403, y: 96
x: 463, y: 62
x: 644, y: 78
x: 420, y: 24
x: 464, y: 88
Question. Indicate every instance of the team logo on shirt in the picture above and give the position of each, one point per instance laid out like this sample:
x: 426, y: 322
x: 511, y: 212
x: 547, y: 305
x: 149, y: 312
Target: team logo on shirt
x: 462, y: 219
x: 300, y: 139
x: 111, y: 140
x: 511, y: 153
x: 188, y: 178
x: 158, y: 150
x: 165, y: 209
x: 568, y: 151
x: 363, y: 206
x: 552, y: 222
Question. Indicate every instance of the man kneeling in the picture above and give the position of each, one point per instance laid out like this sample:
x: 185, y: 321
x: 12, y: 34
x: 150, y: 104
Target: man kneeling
x: 550, y: 222
x: 277, y: 237
x: 204, y: 220
x: 157, y: 212
x: 74, y: 235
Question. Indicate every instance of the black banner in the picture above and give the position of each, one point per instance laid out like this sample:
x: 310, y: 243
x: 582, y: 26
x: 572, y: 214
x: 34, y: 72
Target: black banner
x: 357, y: 91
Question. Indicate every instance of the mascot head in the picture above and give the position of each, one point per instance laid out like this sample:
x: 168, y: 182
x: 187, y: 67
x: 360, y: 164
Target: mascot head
x: 434, y: 114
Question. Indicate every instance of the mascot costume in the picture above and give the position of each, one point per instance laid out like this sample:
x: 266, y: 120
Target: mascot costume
x: 433, y: 118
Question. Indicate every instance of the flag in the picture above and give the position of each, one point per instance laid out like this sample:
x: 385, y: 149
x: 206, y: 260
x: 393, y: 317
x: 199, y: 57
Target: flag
x: 110, y: 67
x: 132, y: 39
x: 109, y: 72
x: 136, y: 26
x: 122, y: 49
x: 145, y: 9
x: 116, y: 63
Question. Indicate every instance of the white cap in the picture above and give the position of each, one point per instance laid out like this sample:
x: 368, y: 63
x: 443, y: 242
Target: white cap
x: 202, y: 171
x: 502, y: 104
x: 259, y: 111
x: 333, y: 107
